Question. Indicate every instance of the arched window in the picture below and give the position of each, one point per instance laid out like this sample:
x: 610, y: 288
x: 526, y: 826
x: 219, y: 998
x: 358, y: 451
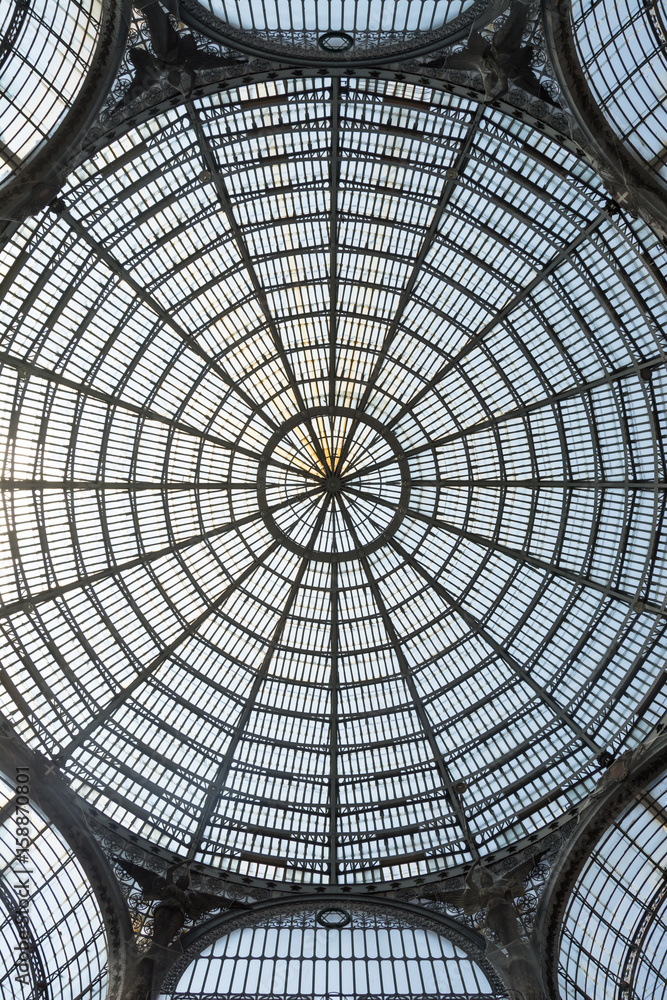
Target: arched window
x: 311, y: 953
x: 52, y: 937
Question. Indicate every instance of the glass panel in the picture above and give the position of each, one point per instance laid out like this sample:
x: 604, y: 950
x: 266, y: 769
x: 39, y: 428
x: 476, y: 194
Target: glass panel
x: 613, y: 940
x: 46, y: 48
x: 623, y: 50
x: 373, y: 956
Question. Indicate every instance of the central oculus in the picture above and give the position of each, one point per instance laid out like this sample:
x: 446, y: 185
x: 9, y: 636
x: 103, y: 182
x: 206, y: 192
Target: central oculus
x: 333, y: 484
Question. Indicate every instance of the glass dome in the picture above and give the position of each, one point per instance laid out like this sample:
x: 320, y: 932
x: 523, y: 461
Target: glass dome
x: 326, y: 29
x: 333, y: 481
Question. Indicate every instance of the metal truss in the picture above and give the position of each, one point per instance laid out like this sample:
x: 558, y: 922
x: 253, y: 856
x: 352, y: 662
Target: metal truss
x: 334, y: 481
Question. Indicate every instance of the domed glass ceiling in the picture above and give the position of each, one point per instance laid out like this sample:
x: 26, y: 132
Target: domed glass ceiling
x: 333, y: 485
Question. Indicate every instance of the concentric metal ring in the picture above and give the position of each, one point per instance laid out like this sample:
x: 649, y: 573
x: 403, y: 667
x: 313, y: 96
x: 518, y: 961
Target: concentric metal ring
x: 332, y: 447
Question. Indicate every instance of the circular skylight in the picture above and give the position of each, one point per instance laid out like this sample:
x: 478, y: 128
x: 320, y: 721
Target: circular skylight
x: 340, y: 481
x: 322, y: 28
x: 333, y: 485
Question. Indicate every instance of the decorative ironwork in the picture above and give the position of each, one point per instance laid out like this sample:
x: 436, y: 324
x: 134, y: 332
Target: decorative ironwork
x: 336, y: 41
x: 293, y: 927
x: 333, y: 918
x: 301, y: 46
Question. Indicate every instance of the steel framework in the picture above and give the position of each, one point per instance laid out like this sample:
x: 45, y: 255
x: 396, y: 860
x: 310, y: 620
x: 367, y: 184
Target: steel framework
x: 297, y: 552
x: 380, y: 950
x: 333, y: 476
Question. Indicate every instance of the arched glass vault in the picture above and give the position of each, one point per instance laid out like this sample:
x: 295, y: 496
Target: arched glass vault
x: 318, y: 32
x: 378, y: 951
x: 333, y: 479
x: 610, y: 61
x: 601, y: 919
x: 623, y: 53
x: 613, y: 936
x: 45, y: 54
x: 57, y: 61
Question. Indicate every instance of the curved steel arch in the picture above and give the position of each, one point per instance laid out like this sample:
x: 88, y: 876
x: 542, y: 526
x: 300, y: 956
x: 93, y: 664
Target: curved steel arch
x: 30, y: 948
x: 37, y: 176
x: 626, y: 174
x: 413, y: 916
x: 63, y: 810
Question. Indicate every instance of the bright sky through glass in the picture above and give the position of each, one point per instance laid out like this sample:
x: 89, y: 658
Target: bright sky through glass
x: 622, y: 45
x: 615, y: 928
x: 64, y: 917
x: 292, y: 955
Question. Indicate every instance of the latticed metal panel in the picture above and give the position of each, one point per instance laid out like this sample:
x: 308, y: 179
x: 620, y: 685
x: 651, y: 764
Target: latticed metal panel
x: 328, y: 29
x: 623, y: 52
x: 334, y: 481
x: 46, y: 50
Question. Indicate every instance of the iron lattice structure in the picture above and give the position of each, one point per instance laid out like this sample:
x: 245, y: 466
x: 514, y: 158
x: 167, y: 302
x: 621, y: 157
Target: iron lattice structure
x: 54, y: 941
x: 348, y: 487
x: 46, y: 51
x: 57, y: 61
x: 377, y: 953
x: 343, y: 32
x: 613, y: 937
x: 333, y: 473
x: 623, y: 53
